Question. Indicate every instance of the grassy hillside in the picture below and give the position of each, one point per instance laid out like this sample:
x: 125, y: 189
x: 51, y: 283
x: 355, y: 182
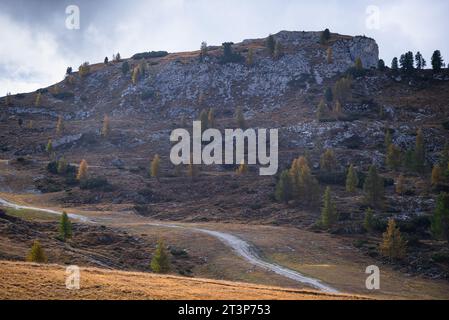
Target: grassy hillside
x: 33, y: 281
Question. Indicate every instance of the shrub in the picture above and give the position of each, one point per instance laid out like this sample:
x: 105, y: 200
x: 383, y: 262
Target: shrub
x: 329, y: 95
x: 325, y: 36
x: 149, y: 55
x: 52, y: 167
x: 99, y: 183
x: 155, y: 167
x: 84, y: 69
x: 441, y: 257
x: 242, y: 169
x: 229, y: 56
x: 125, y: 68
x: 65, y: 95
x: 147, y: 94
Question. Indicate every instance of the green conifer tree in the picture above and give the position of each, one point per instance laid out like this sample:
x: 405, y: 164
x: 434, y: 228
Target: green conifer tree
x: 65, y: 227
x: 329, y: 212
x: 352, y: 180
x: 284, y: 188
x: 440, y: 220
x: 368, y: 222
x: 373, y: 188
x: 37, y: 254
x: 161, y: 261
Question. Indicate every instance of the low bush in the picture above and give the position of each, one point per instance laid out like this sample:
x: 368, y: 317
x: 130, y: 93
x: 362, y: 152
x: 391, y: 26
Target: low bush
x: 150, y: 54
x: 99, y: 183
x: 147, y: 94
x: 143, y: 210
x: 64, y: 95
x: 441, y: 257
x: 334, y: 178
x: 229, y: 56
x: 445, y: 125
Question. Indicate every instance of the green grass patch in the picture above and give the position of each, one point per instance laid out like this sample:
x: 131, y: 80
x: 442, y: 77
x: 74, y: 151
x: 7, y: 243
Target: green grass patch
x: 30, y: 215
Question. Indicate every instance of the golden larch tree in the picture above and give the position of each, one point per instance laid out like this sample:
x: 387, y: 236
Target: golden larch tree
x: 155, y: 167
x: 82, y: 171
x: 393, y: 246
x: 60, y: 126
x: 106, y: 130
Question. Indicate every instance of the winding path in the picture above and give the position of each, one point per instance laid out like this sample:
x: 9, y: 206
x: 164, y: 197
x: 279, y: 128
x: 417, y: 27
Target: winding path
x: 239, y: 246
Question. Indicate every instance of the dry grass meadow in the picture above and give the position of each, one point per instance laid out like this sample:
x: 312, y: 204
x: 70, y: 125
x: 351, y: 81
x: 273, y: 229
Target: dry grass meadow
x: 24, y: 281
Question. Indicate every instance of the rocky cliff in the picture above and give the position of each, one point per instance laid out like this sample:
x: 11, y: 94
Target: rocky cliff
x: 175, y: 85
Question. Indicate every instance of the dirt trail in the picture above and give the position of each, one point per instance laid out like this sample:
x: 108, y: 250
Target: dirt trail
x: 249, y: 253
x: 239, y: 246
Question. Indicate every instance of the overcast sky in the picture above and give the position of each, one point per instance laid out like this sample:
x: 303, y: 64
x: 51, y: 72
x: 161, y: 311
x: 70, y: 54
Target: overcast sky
x: 36, y: 46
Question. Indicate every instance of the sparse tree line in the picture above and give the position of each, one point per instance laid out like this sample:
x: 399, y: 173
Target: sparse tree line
x: 208, y: 121
x: 273, y: 47
x: 299, y: 186
x: 408, y: 62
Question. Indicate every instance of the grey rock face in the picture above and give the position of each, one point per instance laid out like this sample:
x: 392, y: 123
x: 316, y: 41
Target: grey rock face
x: 180, y: 84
